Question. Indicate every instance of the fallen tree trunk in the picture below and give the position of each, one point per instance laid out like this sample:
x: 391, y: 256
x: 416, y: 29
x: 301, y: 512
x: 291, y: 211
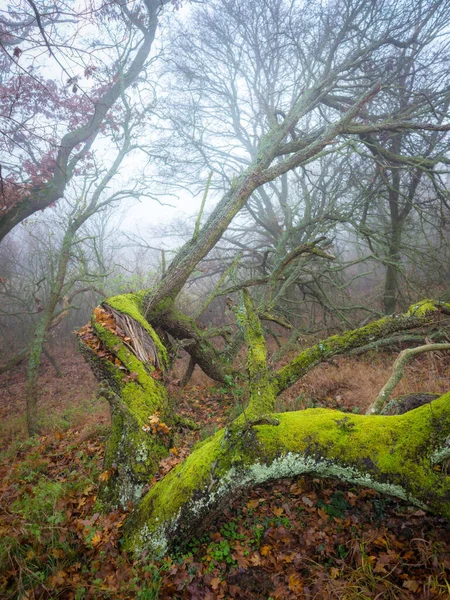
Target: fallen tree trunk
x: 398, y: 455
x: 395, y: 455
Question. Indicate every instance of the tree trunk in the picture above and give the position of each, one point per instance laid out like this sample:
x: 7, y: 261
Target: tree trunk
x: 395, y: 455
x: 390, y: 289
x: 34, y: 362
x: 183, y: 328
x: 390, y: 292
x: 126, y: 354
x: 188, y: 374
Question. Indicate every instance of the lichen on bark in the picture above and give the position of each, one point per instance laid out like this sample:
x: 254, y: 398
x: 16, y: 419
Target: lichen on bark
x: 397, y: 455
x: 390, y: 454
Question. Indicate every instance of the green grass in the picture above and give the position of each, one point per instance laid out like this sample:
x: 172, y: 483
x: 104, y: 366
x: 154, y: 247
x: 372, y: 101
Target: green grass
x: 35, y: 542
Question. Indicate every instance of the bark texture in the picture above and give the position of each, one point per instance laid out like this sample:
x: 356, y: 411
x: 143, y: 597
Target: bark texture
x: 130, y: 360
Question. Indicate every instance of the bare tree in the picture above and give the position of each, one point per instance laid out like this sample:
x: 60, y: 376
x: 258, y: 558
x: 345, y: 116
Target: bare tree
x: 95, y: 197
x: 50, y: 124
x: 332, y: 99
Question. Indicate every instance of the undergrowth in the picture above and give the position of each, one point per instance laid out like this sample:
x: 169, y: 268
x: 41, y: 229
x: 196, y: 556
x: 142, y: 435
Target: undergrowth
x: 301, y: 539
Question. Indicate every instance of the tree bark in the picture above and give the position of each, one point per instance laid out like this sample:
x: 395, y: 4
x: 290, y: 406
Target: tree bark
x: 188, y: 373
x: 397, y: 373
x: 181, y: 327
x: 392, y: 271
x: 127, y: 355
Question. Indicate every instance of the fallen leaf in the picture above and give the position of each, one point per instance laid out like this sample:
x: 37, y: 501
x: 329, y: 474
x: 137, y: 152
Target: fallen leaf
x: 411, y: 585
x: 105, y: 476
x: 295, y: 583
x: 215, y: 582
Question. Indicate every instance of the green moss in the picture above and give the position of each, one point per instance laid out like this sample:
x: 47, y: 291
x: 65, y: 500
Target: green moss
x: 135, y: 452
x: 262, y: 392
x: 390, y: 454
x: 418, y: 315
x: 145, y: 387
x: 256, y: 353
x: 168, y: 496
x: 164, y: 306
x: 422, y: 308
x: 113, y: 440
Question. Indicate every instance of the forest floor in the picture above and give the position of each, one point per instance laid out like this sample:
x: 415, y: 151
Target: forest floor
x: 300, y: 538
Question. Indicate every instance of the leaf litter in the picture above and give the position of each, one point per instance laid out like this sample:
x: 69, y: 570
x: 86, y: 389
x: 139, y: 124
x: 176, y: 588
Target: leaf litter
x: 300, y: 538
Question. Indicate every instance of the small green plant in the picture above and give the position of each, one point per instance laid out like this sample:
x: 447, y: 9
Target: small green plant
x: 341, y: 551
x: 38, y: 545
x: 221, y: 552
x: 379, y: 507
x: 80, y: 593
x: 337, y: 507
x: 147, y: 583
x: 230, y: 532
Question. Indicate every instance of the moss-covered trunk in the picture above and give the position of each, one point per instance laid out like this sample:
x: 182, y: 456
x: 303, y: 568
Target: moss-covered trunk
x: 396, y: 455
x: 126, y: 354
x: 399, y: 455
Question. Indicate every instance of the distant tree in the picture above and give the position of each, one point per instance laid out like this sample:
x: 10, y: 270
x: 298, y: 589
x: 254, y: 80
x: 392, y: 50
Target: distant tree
x: 54, y: 111
x: 253, y: 62
x: 408, y: 177
x: 69, y: 273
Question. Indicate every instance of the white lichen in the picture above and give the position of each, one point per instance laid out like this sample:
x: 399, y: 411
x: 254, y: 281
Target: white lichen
x: 442, y: 453
x: 155, y: 536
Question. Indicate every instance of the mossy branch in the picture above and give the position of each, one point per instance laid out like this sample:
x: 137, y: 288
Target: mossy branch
x: 278, y: 319
x: 398, y: 371
x: 398, y: 340
x: 125, y: 352
x: 202, y: 208
x: 262, y: 396
x: 421, y: 314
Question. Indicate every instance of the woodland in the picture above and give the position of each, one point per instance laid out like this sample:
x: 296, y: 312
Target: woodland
x: 249, y: 398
